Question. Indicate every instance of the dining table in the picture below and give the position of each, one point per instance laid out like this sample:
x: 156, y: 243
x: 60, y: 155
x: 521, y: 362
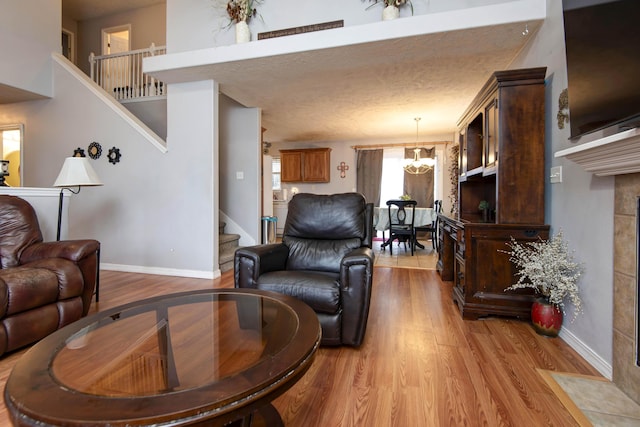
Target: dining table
x: 423, y: 216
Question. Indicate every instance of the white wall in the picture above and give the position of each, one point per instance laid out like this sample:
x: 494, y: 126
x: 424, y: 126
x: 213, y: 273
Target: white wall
x: 581, y: 206
x: 29, y: 31
x: 200, y: 24
x: 155, y: 210
x: 192, y: 139
x: 148, y: 25
x: 240, y: 178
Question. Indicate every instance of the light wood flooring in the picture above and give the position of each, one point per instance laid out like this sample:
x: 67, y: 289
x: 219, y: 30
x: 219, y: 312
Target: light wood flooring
x: 420, y: 363
x: 422, y: 258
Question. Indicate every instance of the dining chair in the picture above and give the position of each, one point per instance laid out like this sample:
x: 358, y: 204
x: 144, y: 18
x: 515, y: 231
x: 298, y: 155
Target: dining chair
x: 400, y: 225
x: 432, y: 228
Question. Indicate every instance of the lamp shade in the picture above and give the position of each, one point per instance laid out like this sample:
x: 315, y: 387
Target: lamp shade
x: 77, y: 172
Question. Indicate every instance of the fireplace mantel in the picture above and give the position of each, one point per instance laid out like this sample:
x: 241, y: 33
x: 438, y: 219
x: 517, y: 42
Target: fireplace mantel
x: 612, y: 155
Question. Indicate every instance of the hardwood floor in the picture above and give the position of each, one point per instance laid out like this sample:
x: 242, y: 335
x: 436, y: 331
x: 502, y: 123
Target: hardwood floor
x: 423, y: 258
x: 420, y: 363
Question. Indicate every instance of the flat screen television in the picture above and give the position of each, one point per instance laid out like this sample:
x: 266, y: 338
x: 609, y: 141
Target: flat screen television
x: 602, y: 40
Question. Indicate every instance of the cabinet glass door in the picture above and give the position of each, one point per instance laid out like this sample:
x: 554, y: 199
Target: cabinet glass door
x: 491, y: 135
x: 463, y: 155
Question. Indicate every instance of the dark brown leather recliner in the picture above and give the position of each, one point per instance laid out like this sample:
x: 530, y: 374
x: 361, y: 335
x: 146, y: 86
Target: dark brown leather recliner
x: 43, y: 285
x: 325, y: 259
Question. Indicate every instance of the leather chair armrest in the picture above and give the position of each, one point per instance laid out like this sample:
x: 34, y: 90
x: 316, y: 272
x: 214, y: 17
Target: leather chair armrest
x: 252, y: 261
x: 356, y: 273
x: 84, y: 253
x: 73, y: 250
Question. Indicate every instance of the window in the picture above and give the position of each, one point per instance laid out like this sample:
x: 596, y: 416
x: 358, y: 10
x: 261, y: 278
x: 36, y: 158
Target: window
x: 275, y: 174
x: 392, y: 185
x: 393, y: 179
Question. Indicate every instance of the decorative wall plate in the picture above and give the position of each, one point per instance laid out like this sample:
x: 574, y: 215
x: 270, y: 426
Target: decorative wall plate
x: 79, y: 152
x: 114, y: 155
x: 95, y: 150
x: 563, y: 106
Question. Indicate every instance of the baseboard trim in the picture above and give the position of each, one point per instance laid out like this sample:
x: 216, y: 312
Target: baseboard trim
x: 196, y: 274
x: 587, y: 353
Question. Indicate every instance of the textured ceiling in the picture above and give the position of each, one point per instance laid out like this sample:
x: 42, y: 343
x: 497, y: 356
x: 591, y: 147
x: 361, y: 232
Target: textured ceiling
x: 363, y: 91
x: 373, y: 90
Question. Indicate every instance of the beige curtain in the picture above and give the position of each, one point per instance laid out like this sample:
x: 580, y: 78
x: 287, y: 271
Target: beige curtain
x: 420, y: 187
x: 369, y: 175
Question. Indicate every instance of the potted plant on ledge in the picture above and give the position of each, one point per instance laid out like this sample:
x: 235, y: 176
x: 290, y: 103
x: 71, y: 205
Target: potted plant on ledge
x: 240, y: 11
x: 483, y: 206
x: 391, y: 8
x: 548, y: 267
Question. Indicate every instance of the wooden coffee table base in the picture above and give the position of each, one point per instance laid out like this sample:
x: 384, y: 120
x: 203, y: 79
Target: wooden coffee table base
x: 266, y: 416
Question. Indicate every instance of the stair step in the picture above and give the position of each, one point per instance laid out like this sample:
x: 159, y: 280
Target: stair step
x: 224, y: 238
x: 226, y: 260
x: 226, y: 266
x: 228, y: 242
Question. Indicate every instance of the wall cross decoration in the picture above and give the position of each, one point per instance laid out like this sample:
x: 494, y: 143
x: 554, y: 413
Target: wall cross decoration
x: 343, y: 168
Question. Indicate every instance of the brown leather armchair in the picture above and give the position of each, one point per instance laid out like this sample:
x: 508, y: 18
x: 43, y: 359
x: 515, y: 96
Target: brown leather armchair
x: 325, y: 259
x: 43, y: 285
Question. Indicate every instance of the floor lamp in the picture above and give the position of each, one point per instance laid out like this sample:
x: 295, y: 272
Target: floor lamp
x: 75, y: 172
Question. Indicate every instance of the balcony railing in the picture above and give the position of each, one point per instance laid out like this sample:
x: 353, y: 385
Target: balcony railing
x: 120, y: 74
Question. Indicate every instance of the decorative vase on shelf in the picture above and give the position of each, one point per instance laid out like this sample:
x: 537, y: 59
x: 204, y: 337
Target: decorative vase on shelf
x: 243, y: 34
x: 485, y: 215
x: 546, y: 318
x: 390, y: 12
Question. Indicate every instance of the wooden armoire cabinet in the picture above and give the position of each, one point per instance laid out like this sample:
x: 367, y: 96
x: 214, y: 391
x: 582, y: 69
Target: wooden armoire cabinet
x: 502, y: 146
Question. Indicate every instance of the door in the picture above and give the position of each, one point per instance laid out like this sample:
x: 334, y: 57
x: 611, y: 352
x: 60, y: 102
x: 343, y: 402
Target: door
x: 68, y: 45
x: 116, y: 71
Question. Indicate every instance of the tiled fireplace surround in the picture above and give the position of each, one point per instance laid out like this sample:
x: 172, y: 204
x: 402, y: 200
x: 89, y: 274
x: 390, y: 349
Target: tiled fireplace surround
x: 626, y: 374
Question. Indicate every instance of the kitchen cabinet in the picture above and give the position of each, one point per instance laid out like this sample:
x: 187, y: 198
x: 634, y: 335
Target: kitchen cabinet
x: 305, y: 165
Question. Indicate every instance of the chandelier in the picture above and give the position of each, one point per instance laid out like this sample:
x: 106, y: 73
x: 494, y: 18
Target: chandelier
x: 418, y: 165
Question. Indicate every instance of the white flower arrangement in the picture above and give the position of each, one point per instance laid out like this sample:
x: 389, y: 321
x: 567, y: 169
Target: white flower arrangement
x: 548, y: 267
x: 396, y: 3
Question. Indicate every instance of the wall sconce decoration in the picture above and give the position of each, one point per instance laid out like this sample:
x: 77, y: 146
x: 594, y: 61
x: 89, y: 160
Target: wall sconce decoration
x: 95, y: 150
x: 563, y: 104
x: 114, y: 155
x: 78, y: 152
x: 4, y: 171
x: 343, y: 168
x: 265, y: 147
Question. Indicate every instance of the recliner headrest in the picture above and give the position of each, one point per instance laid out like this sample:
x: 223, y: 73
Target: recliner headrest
x: 335, y: 216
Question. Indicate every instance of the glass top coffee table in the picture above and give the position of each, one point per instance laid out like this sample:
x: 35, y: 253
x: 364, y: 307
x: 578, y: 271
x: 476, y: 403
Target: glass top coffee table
x: 214, y: 357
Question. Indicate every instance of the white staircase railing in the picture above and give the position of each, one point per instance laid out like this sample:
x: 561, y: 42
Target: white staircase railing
x: 120, y: 74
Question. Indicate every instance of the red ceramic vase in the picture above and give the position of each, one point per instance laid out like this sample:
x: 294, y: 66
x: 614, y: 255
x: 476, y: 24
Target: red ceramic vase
x: 546, y: 318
